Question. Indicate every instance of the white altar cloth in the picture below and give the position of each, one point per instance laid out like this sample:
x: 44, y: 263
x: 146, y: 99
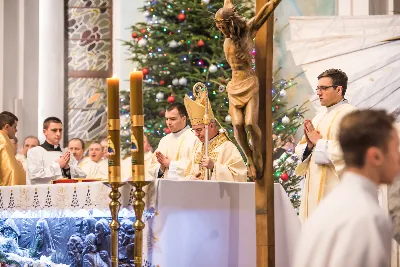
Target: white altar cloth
x: 207, y: 223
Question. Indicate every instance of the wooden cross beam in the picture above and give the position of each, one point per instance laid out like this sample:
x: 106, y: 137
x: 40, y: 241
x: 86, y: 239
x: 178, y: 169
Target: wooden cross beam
x: 264, y: 188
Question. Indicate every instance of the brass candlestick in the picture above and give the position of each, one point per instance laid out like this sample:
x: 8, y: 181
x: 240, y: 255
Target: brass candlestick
x: 139, y: 225
x: 137, y: 152
x: 114, y: 224
x: 114, y: 176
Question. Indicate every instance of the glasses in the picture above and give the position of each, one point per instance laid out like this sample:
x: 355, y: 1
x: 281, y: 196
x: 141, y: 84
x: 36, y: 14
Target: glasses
x: 325, y: 88
x: 198, y: 130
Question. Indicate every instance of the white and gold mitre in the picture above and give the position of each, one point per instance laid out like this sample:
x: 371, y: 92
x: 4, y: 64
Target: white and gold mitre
x: 196, y: 109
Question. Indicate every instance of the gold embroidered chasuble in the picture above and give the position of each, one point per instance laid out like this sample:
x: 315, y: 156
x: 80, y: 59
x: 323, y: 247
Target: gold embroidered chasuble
x: 11, y: 172
x: 323, y: 167
x: 228, y: 162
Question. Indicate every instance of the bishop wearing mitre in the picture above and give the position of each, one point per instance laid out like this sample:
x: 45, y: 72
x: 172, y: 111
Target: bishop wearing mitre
x: 224, y: 161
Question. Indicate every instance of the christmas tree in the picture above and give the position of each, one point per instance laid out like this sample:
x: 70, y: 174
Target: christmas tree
x: 286, y: 123
x: 179, y: 46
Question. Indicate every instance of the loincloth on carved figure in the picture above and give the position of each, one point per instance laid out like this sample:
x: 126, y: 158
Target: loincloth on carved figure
x: 241, y: 91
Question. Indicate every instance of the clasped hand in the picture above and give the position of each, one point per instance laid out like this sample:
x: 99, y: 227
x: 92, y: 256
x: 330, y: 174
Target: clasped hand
x: 311, y: 134
x: 163, y: 160
x: 64, y: 160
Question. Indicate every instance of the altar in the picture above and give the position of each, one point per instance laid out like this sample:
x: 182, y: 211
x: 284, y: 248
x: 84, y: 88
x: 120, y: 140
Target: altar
x: 188, y: 223
x: 206, y: 223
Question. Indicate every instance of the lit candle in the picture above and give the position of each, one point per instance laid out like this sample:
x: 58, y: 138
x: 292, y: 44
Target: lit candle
x: 137, y: 123
x: 113, y: 129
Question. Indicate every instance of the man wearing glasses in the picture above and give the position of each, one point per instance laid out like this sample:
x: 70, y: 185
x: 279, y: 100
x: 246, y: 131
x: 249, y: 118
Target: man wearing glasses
x: 224, y: 162
x: 173, y: 153
x: 322, y: 159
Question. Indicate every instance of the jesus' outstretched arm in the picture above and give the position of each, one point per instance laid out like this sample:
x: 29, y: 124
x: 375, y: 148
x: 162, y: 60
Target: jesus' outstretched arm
x: 258, y: 20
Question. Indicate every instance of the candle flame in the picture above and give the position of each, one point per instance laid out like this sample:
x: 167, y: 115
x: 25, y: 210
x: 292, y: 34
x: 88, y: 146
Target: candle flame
x: 114, y: 76
x: 134, y: 69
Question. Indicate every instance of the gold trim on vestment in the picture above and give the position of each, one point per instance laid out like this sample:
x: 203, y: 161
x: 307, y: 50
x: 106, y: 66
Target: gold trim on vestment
x: 323, y: 174
x: 216, y: 142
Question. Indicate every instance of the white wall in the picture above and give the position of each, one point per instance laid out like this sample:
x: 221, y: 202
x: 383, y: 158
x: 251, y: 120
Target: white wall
x: 51, y: 60
x: 32, y: 62
x: 1, y: 50
x: 125, y: 15
x: 366, y: 7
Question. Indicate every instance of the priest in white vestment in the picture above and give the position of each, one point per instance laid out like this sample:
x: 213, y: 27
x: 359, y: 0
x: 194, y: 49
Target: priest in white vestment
x: 322, y: 160
x: 29, y: 142
x: 77, y: 147
x: 349, y: 228
x: 224, y: 161
x: 173, y: 153
x: 126, y: 164
x: 48, y: 161
x: 394, y: 205
x: 96, y: 155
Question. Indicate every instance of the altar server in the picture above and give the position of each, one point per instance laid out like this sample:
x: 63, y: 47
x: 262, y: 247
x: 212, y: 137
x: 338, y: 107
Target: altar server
x: 48, y: 161
x: 322, y: 159
x: 349, y: 228
x: 126, y: 164
x: 224, y: 160
x: 11, y: 172
x: 172, y: 156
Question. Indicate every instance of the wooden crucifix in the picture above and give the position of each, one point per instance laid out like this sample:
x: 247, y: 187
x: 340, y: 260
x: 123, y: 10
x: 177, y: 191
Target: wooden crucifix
x: 265, y: 224
x: 250, y: 101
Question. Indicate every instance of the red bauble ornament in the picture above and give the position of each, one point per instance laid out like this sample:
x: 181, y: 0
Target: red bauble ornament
x: 171, y: 99
x: 143, y: 30
x: 167, y: 130
x: 181, y: 17
x: 200, y: 43
x: 162, y: 82
x: 162, y: 113
x: 134, y: 35
x: 145, y: 71
x: 284, y: 176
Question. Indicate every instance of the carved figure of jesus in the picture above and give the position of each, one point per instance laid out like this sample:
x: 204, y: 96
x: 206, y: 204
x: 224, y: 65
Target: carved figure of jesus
x: 243, y: 88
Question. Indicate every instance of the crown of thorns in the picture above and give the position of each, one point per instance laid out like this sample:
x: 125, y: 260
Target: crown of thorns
x: 224, y: 20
